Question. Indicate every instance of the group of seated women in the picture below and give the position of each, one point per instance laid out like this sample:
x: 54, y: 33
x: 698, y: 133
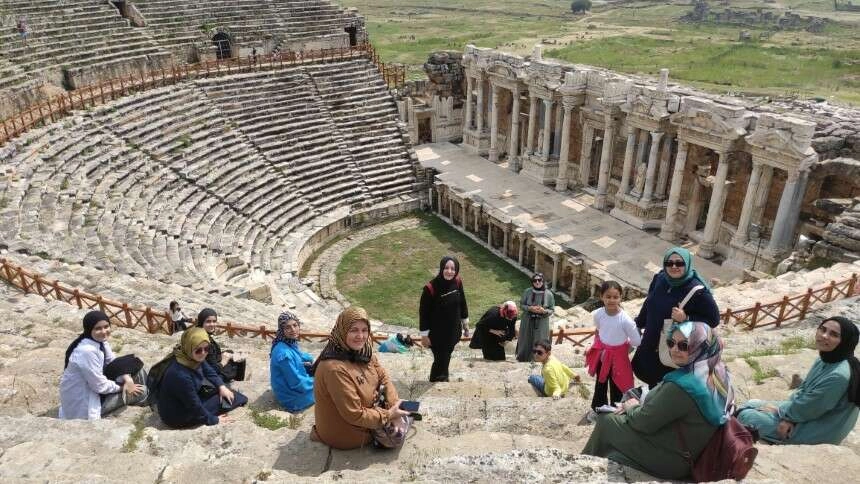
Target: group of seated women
x: 356, y: 404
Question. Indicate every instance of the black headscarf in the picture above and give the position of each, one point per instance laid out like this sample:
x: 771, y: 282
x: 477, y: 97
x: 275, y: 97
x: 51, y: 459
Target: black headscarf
x: 440, y: 284
x: 204, y: 315
x: 90, y: 320
x: 845, y: 351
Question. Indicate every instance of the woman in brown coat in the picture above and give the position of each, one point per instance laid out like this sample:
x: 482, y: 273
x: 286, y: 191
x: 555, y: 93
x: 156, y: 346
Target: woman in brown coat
x: 347, y: 377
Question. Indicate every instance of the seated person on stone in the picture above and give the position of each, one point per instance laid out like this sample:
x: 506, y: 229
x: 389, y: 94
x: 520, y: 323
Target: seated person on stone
x: 694, y: 399
x: 180, y: 320
x: 823, y: 410
x: 288, y: 367
x: 191, y: 392
x: 229, y: 366
x: 347, y: 383
x: 555, y: 377
x: 85, y: 391
x: 495, y: 328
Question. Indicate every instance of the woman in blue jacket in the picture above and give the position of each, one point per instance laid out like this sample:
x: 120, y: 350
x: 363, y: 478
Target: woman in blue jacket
x: 183, y: 399
x: 668, y: 288
x: 291, y: 383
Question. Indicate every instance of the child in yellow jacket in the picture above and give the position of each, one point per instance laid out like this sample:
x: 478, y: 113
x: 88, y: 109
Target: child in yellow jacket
x: 555, y: 376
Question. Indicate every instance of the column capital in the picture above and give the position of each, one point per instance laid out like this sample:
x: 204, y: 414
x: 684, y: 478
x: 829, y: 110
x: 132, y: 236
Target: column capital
x: 656, y: 135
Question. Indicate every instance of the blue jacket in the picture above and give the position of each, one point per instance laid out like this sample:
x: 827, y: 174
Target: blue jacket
x: 658, y: 306
x: 178, y: 402
x: 291, y: 384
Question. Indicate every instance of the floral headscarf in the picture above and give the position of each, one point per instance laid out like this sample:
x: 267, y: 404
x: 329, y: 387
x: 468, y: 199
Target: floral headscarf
x: 281, y: 336
x: 337, y: 349
x: 705, y: 377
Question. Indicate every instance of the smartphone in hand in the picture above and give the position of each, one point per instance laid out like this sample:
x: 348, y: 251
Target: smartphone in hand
x: 410, y: 405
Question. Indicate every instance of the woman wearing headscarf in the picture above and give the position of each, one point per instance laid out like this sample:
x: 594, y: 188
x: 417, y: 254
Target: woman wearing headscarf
x: 443, y: 316
x: 695, y: 399
x: 191, y: 391
x: 288, y: 366
x: 228, y: 366
x: 85, y: 391
x: 348, y: 380
x: 495, y: 328
x: 537, y: 305
x: 668, y: 289
x: 824, y: 409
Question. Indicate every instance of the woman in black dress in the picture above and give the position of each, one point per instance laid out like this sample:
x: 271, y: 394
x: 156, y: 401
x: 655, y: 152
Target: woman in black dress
x: 443, y: 316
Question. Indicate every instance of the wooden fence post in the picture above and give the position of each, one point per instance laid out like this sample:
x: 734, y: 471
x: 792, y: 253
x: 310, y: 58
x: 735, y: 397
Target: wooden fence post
x: 852, y: 285
x: 756, y: 309
x: 781, y: 317
x: 805, y: 304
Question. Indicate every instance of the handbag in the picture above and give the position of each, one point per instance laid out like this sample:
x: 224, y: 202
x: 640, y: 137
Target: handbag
x: 207, y: 389
x: 393, y: 434
x: 662, y: 347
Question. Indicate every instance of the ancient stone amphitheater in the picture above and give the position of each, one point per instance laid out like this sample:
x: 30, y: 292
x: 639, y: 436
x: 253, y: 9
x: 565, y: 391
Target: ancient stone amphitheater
x: 204, y: 151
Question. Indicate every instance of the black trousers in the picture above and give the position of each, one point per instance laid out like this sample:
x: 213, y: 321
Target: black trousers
x: 599, y: 398
x: 441, y: 359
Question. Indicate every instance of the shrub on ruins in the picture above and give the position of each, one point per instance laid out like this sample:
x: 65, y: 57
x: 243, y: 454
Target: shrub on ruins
x: 580, y: 6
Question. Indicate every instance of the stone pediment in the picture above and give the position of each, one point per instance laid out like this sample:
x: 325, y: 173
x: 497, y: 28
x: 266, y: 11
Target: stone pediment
x: 706, y: 117
x: 790, y: 137
x: 544, y: 75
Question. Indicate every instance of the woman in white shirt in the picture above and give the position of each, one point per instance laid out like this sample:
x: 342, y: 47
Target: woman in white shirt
x: 180, y: 320
x: 85, y: 392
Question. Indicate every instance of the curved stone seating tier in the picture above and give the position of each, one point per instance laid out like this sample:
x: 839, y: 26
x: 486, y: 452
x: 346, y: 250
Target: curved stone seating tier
x: 73, y: 35
x: 213, y: 183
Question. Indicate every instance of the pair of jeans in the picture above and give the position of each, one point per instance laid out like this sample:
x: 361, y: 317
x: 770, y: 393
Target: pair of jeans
x: 537, y: 383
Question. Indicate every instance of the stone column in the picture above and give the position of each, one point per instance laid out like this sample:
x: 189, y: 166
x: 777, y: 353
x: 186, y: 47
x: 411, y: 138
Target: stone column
x: 463, y: 221
x: 554, y: 272
x: 556, y: 142
x: 651, y: 173
x: 438, y: 201
x: 522, y: 250
x: 493, y: 154
x: 694, y: 207
x: 639, y: 181
x: 489, y: 234
x: 715, y: 208
x: 477, y: 218
x: 585, y: 155
x: 663, y: 172
x: 506, y: 236
x: 605, y: 160
x: 763, y: 192
x: 547, y: 125
x: 480, y: 106
x: 742, y: 233
x: 628, y: 162
x: 668, y: 231
x: 561, y: 181
x: 530, y: 143
x: 513, y: 151
x: 788, y: 212
x: 469, y: 87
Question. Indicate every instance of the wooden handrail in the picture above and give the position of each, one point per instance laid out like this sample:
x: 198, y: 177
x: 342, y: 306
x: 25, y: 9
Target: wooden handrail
x: 153, y: 321
x: 92, y: 95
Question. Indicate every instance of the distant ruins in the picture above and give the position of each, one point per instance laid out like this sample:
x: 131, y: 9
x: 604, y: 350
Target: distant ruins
x: 742, y: 179
x: 758, y: 17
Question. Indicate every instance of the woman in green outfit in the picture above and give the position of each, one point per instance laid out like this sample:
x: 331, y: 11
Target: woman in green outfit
x: 698, y: 396
x: 536, y: 307
x: 824, y: 409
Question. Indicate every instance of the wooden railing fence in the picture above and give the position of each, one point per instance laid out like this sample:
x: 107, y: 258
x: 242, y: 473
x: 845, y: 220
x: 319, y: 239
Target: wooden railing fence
x: 154, y: 321
x: 88, y: 96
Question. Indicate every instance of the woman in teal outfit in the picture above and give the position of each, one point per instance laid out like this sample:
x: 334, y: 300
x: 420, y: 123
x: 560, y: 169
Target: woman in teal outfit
x: 824, y: 409
x: 695, y: 399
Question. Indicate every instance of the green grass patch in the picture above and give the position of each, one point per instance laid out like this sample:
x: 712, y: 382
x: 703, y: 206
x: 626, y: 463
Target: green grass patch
x: 137, y: 431
x: 273, y: 422
x: 386, y: 275
x: 787, y: 346
x: 760, y: 374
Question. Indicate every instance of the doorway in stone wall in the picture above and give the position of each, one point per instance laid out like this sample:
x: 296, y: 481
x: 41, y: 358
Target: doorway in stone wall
x: 353, y: 35
x: 223, y: 49
x: 425, y: 131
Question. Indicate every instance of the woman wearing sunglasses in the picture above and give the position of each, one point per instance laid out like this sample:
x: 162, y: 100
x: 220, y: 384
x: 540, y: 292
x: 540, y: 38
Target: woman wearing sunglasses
x: 537, y: 305
x: 695, y: 400
x: 677, y: 293
x: 824, y: 409
x: 184, y: 400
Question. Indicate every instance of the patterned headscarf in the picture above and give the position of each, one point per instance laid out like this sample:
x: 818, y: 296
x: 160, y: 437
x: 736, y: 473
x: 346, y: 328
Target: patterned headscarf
x: 689, y: 272
x: 281, y: 336
x: 337, y: 349
x: 191, y: 338
x: 705, y: 377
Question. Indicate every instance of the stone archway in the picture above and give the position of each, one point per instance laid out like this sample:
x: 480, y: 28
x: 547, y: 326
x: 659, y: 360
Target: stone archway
x: 223, y: 46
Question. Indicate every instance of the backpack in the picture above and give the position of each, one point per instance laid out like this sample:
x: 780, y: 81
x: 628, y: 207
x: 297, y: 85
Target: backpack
x: 729, y: 454
x: 153, y: 379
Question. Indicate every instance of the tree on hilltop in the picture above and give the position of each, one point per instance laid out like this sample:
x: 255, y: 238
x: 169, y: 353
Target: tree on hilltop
x: 579, y: 6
